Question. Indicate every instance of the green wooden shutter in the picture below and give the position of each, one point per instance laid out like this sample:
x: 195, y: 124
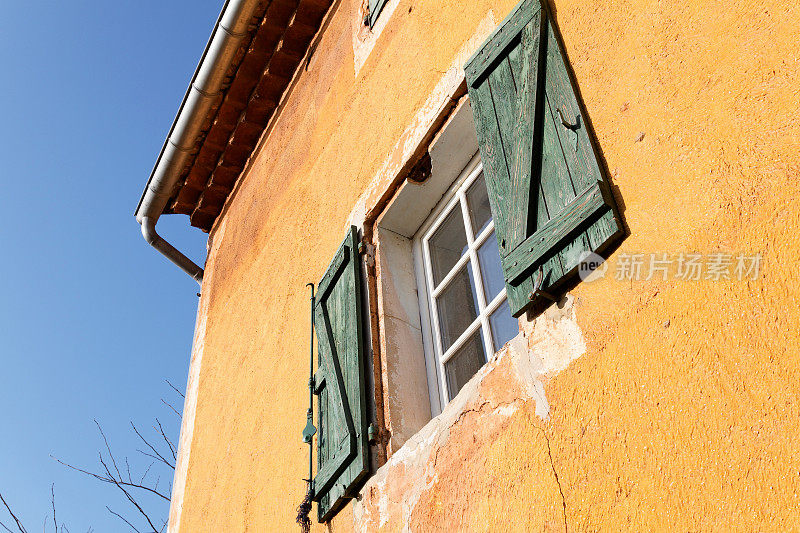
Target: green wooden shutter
x: 549, y: 197
x: 342, y: 440
x: 375, y: 7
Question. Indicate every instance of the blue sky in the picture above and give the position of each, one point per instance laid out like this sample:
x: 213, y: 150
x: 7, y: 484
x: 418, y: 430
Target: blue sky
x: 92, y: 320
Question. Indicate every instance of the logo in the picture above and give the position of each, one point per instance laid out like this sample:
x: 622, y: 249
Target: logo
x: 591, y: 267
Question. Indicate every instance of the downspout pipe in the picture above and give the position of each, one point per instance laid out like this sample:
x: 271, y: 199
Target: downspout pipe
x: 170, y: 252
x: 206, y: 86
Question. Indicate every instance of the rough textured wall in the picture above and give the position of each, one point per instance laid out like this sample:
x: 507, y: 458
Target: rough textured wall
x: 279, y: 232
x: 683, y: 410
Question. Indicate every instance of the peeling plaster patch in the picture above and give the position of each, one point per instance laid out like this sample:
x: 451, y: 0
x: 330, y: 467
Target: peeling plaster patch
x: 513, y: 377
x: 506, y: 410
x: 555, y: 338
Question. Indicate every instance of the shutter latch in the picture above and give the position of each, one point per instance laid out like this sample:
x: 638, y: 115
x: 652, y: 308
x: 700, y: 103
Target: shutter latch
x: 310, y: 430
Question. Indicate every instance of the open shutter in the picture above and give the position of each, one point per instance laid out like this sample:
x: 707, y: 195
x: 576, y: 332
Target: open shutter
x: 342, y: 441
x: 549, y: 197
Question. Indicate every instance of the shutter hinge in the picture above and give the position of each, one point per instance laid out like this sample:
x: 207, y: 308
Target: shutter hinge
x: 372, y: 434
x: 367, y: 249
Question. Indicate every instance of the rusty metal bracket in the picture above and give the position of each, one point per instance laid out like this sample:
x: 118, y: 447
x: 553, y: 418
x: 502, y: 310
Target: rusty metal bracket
x: 537, y: 289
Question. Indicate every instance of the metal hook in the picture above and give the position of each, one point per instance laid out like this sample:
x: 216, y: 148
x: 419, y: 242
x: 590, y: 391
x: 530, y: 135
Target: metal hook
x: 537, y: 288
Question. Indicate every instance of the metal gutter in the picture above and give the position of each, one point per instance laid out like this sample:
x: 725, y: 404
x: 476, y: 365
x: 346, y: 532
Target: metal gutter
x: 206, y: 86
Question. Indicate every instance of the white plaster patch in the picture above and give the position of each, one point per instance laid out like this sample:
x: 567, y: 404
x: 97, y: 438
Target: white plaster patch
x: 555, y: 338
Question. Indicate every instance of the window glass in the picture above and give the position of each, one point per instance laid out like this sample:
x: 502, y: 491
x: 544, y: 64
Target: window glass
x: 491, y: 270
x: 447, y: 245
x: 478, y: 205
x: 464, y: 363
x: 457, y: 306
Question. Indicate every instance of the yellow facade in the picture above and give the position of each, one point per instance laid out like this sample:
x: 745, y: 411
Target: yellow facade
x: 684, y: 410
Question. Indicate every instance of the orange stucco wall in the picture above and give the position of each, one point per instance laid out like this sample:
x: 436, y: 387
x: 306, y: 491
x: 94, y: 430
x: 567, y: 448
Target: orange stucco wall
x: 683, y: 411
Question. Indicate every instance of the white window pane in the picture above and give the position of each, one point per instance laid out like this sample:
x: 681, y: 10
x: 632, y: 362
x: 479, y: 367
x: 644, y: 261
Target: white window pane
x: 504, y: 326
x: 447, y: 244
x: 457, y: 306
x: 478, y: 204
x: 464, y: 363
x: 491, y: 269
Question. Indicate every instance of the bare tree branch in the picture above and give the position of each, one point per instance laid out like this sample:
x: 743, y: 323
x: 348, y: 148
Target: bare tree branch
x: 170, y: 406
x: 120, y: 474
x: 16, y: 520
x: 166, y: 439
x: 109, y: 479
x: 122, y: 518
x: 128, y: 495
x: 159, y: 459
x: 158, y: 455
x: 175, y: 389
x: 53, y: 501
x: 146, y: 472
x: 108, y: 448
x: 128, y: 468
x: 7, y: 528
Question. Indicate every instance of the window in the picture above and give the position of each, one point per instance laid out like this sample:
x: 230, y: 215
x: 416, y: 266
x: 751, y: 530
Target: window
x: 375, y: 7
x: 461, y: 283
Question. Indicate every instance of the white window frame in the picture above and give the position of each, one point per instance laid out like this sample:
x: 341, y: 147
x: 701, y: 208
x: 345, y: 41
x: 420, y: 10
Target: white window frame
x: 427, y: 291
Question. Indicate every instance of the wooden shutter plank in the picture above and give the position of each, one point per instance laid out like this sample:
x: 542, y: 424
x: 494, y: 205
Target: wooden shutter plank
x: 527, y: 121
x: 505, y: 107
x: 495, y: 169
x: 501, y: 83
x: 341, y: 430
x: 583, y: 165
x: 566, y: 193
x: 495, y: 46
x: 539, y: 183
x: 578, y: 214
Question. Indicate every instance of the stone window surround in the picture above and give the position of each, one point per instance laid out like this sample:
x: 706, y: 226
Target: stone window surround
x: 441, y: 124
x: 413, y: 412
